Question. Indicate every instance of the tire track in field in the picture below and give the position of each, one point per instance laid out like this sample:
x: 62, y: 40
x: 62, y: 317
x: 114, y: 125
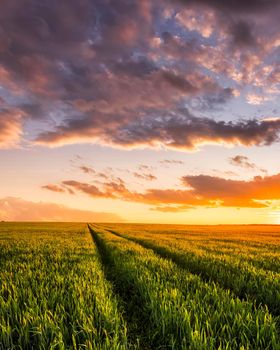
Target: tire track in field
x: 178, y: 259
x: 131, y: 312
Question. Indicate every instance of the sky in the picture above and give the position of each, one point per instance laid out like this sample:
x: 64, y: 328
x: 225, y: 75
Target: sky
x: 162, y: 111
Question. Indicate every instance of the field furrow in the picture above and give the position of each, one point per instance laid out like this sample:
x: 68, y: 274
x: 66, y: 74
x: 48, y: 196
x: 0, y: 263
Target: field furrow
x: 243, y: 279
x: 130, y: 310
x: 178, y: 309
x: 53, y: 292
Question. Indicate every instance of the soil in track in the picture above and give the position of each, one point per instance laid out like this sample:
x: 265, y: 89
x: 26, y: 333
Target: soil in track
x: 131, y: 311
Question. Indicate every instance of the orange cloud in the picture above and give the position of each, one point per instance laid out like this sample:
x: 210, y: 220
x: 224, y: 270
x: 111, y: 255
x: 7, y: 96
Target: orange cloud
x: 87, y: 170
x: 233, y: 192
x: 53, y: 188
x: 202, y: 190
x: 91, y: 190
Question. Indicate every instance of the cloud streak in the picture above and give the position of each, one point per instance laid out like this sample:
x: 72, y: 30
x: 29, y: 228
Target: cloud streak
x: 244, y: 162
x: 171, y: 162
x: 180, y: 131
x: 144, y: 176
x: 53, y: 188
x: 17, y: 209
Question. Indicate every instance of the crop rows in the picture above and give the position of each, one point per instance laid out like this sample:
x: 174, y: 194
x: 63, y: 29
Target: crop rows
x: 244, y: 279
x: 117, y: 287
x: 180, y: 310
x: 53, y: 294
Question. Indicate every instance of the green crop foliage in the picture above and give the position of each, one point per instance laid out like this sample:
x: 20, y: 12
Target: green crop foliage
x: 53, y: 293
x: 180, y: 310
x: 247, y: 279
x: 138, y: 287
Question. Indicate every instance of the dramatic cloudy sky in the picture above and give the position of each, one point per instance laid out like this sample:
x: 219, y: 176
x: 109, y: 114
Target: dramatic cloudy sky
x: 149, y: 111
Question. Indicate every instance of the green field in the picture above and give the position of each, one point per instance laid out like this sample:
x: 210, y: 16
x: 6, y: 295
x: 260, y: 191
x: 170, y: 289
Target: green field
x: 121, y: 286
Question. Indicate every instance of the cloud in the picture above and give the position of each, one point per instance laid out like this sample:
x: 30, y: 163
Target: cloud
x: 118, y: 190
x: 92, y: 190
x: 119, y: 72
x: 10, y: 127
x: 171, y: 208
x: 171, y: 162
x: 145, y: 167
x: 106, y: 174
x: 53, y: 188
x: 200, y: 190
x: 257, y: 99
x: 144, y: 176
x: 235, y: 192
x: 238, y: 6
x: 178, y: 131
x: 244, y: 162
x: 242, y: 34
x: 202, y: 22
x: 87, y: 170
x: 17, y: 209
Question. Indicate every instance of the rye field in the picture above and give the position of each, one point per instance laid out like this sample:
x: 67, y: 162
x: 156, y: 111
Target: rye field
x: 123, y: 286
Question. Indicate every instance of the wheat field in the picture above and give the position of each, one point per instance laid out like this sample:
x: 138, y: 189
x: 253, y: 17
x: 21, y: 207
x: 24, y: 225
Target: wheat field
x: 124, y: 286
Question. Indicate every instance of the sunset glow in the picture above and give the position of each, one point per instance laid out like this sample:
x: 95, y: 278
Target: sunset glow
x: 140, y: 111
